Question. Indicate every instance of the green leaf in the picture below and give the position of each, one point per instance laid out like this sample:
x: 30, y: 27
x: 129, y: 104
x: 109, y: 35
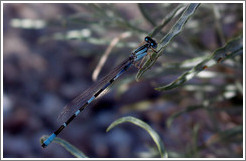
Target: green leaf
x: 70, y: 148
x: 165, y: 21
x: 176, y: 29
x: 145, y: 126
x: 231, y: 49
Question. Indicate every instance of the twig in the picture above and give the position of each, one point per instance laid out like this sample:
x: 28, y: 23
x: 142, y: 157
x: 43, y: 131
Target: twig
x: 106, y: 54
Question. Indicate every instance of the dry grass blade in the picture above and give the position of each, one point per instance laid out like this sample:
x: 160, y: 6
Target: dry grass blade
x: 106, y: 54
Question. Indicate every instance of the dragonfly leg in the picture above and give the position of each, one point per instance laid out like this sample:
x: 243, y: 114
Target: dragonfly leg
x: 139, y: 65
x: 154, y: 50
x: 150, y: 54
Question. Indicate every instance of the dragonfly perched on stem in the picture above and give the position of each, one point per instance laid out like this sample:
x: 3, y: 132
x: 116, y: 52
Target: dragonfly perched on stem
x: 72, y: 109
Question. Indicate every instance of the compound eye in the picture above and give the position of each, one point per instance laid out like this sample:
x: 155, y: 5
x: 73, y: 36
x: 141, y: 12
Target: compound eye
x: 152, y: 44
x: 146, y: 39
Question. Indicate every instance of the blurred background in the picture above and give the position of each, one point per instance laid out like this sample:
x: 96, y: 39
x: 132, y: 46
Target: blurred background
x: 50, y: 52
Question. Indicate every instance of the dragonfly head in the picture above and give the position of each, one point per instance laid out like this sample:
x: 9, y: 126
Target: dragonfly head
x: 151, y: 42
x: 153, y: 45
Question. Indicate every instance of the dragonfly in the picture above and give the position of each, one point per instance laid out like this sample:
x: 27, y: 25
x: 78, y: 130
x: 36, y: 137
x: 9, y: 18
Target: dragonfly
x: 77, y: 105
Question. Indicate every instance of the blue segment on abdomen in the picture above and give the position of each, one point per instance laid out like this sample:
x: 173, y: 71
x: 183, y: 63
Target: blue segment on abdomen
x: 91, y: 99
x: 49, y: 139
x: 77, y: 112
x: 122, y: 71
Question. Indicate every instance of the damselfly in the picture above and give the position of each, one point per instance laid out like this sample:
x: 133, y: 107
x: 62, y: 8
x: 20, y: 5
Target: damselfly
x: 72, y: 109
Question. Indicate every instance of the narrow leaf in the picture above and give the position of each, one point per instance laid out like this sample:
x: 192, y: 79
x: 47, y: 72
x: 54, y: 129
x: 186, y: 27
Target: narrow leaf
x: 146, y: 127
x: 165, y: 21
x: 70, y: 148
x: 176, y: 29
x: 231, y: 49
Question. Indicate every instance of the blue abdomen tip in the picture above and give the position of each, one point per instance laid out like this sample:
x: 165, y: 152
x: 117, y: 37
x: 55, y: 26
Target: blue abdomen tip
x: 48, y: 140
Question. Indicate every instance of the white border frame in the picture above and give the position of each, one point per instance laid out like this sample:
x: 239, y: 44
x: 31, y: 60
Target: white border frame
x: 2, y: 2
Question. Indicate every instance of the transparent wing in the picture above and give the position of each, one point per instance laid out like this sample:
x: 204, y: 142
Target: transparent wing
x: 81, y: 99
